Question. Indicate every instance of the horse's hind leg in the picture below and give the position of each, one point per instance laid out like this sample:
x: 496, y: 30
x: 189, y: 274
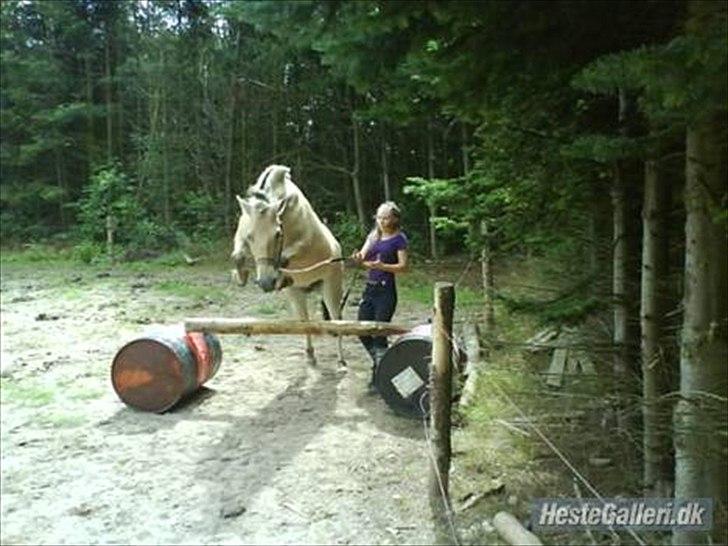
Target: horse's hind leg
x: 300, y: 308
x: 332, y: 302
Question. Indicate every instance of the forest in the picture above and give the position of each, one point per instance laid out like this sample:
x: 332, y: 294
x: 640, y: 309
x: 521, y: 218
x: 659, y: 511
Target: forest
x: 587, y: 138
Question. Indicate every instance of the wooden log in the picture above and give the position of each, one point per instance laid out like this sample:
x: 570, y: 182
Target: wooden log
x: 511, y: 530
x: 267, y: 326
x: 440, y: 403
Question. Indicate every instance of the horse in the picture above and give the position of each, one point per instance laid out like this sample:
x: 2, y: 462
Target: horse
x: 291, y: 248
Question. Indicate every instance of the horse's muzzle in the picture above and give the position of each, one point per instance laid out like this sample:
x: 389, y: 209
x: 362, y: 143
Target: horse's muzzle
x: 267, y: 284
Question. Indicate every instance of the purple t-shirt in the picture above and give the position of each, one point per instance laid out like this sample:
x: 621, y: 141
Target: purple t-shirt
x: 386, y: 250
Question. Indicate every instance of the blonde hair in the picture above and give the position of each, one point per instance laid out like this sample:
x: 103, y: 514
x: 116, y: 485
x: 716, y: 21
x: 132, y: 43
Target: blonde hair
x: 392, y: 208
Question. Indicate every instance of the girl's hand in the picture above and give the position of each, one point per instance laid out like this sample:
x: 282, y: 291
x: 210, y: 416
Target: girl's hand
x: 356, y: 256
x: 376, y: 264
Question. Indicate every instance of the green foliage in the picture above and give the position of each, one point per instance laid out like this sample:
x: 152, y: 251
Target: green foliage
x: 347, y: 230
x: 435, y: 192
x: 679, y: 81
x: 566, y: 308
x: 199, y: 216
x: 603, y: 148
x: 110, y: 193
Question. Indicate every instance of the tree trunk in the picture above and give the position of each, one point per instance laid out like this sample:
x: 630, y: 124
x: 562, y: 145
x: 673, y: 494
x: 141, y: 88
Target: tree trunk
x: 244, y: 151
x: 165, y: 158
x: 384, y: 152
x: 619, y: 275
x: 61, y: 185
x: 465, y: 148
x: 107, y: 94
x: 90, y: 140
x: 624, y: 281
x: 355, y: 171
x: 700, y: 415
x: 592, y: 234
x: 227, y: 198
x: 486, y: 266
x: 657, y: 470
x: 432, y: 209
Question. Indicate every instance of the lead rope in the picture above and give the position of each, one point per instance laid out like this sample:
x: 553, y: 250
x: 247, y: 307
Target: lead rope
x: 311, y: 267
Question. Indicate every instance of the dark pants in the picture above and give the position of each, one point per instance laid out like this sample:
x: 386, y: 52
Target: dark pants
x: 377, y: 303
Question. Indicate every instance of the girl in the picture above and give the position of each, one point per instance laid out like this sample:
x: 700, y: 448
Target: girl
x: 384, y: 254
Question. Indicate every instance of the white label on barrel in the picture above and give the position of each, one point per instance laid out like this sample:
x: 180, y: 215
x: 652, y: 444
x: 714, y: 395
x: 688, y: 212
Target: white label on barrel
x: 407, y: 381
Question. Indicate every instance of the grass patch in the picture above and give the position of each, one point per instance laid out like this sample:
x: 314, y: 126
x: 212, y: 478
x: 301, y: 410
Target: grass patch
x: 73, y: 293
x: 64, y: 420
x: 268, y: 308
x: 187, y: 290
x: 75, y: 393
x: 25, y: 394
x: 36, y: 253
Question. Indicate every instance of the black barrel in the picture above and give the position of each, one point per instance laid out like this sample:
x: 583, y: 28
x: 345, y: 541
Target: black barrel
x: 161, y: 367
x: 403, y: 374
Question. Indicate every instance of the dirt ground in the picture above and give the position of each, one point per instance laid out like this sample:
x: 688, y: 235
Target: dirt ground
x: 270, y: 451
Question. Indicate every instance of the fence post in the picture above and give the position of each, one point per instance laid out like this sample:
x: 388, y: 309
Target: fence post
x: 440, y: 402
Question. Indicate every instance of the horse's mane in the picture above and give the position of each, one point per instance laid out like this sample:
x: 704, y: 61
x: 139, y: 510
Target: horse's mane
x: 252, y: 192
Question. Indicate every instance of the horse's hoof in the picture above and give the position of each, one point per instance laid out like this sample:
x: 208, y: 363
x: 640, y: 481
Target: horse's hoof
x: 342, y: 364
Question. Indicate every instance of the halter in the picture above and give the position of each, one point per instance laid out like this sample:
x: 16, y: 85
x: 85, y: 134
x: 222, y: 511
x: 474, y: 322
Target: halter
x: 277, y: 261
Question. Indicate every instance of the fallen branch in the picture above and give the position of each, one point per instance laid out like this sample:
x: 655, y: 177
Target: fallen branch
x: 511, y: 530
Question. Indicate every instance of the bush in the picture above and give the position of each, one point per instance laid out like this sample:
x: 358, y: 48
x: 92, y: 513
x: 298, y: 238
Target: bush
x: 109, y: 192
x: 88, y: 251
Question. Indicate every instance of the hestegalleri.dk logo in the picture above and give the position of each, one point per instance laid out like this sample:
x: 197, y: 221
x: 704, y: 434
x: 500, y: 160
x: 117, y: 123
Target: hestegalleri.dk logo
x: 634, y: 513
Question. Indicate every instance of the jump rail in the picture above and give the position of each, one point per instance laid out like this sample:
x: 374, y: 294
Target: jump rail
x: 269, y: 326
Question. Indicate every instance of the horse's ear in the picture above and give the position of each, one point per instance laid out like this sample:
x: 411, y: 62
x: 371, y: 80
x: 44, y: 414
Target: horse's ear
x: 245, y: 206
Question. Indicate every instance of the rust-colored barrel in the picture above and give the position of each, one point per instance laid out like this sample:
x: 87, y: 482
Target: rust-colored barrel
x: 155, y: 371
x: 403, y: 374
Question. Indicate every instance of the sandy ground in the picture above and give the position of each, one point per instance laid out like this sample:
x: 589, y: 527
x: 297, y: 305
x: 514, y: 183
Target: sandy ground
x: 271, y: 451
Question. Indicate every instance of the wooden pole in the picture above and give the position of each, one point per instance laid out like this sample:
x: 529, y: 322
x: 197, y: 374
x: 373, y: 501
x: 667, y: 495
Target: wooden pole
x: 440, y: 401
x: 266, y: 326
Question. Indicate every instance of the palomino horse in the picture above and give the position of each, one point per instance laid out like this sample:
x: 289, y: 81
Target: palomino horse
x: 290, y: 246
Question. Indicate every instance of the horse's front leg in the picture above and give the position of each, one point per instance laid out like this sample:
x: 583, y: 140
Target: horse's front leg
x: 297, y: 297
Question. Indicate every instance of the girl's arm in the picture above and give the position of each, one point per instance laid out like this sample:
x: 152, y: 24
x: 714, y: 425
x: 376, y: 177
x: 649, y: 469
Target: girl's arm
x: 364, y: 249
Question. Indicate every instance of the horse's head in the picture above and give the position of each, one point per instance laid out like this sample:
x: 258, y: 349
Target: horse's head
x: 260, y: 234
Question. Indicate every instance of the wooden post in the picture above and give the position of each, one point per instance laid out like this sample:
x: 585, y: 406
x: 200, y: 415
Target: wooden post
x: 110, y: 227
x: 440, y: 401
